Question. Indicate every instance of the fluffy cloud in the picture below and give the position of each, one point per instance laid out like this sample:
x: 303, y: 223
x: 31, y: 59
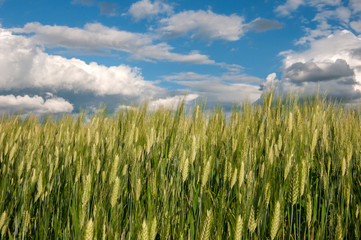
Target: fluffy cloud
x: 204, y: 24
x: 356, y: 25
x: 145, y: 8
x: 96, y: 37
x: 224, y: 92
x: 289, y: 6
x: 355, y: 5
x: 171, y: 102
x: 23, y: 65
x: 292, y: 5
x: 341, y: 13
x: 312, y: 72
x: 35, y: 104
x: 332, y: 64
x: 228, y: 88
x: 107, y: 8
x: 210, y: 26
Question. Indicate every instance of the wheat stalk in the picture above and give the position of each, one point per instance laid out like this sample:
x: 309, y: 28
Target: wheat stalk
x: 309, y: 210
x: 207, y: 226
x: 89, y: 230
x: 153, y: 229
x: 275, y: 222
x: 252, y: 224
x: 241, y: 175
x: 185, y: 170
x: 206, y: 172
x: 239, y: 229
x: 144, y: 234
x: 115, y: 192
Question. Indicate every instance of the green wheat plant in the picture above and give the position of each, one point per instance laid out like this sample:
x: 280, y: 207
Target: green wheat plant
x: 288, y: 168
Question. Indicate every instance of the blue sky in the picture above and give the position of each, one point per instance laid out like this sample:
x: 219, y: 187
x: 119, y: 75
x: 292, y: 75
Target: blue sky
x: 63, y: 56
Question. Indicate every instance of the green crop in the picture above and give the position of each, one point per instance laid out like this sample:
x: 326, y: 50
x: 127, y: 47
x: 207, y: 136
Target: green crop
x: 284, y: 169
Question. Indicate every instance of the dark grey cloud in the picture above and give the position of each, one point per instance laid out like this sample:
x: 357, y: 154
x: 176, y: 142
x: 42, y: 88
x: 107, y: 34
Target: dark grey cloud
x: 335, y: 89
x: 109, y: 9
x: 83, y: 2
x: 310, y: 72
x: 337, y: 80
x: 262, y: 25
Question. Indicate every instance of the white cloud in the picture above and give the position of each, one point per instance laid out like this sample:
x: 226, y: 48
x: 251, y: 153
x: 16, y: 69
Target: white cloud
x: 188, y: 76
x: 145, y: 9
x: 332, y: 63
x: 204, y: 24
x: 97, y: 36
x: 35, y: 104
x: 356, y: 25
x: 208, y: 25
x: 341, y: 13
x: 288, y: 7
x: 226, y: 93
x: 23, y: 65
x: 292, y: 5
x: 355, y: 5
x: 322, y: 30
x: 228, y: 76
x: 228, y: 88
x: 171, y: 102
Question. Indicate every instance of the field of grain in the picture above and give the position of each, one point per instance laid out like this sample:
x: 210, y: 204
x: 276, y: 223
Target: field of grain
x: 287, y: 169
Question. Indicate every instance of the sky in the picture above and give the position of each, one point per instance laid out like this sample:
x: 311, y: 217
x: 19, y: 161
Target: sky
x: 67, y: 56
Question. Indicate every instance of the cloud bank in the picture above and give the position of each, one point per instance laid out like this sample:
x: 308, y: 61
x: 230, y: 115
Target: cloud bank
x: 208, y: 25
x: 35, y: 104
x: 96, y: 36
x: 331, y: 64
x: 24, y: 65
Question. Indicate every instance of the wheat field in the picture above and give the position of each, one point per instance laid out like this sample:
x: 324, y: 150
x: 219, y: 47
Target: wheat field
x: 284, y: 169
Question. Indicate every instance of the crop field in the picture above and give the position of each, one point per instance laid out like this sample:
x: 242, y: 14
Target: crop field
x: 284, y: 169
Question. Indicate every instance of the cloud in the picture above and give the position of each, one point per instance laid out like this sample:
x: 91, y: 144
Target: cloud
x: 341, y: 13
x: 262, y: 25
x: 203, y: 24
x: 312, y: 72
x: 35, y: 104
x: 356, y: 25
x: 145, y: 9
x: 187, y: 76
x: 208, y: 25
x: 227, y: 88
x: 224, y: 92
x: 288, y: 7
x: 83, y: 2
x: 171, y: 102
x: 107, y: 8
x: 23, y: 65
x: 228, y: 76
x: 96, y: 36
x: 332, y: 64
x: 292, y: 5
x: 355, y: 5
